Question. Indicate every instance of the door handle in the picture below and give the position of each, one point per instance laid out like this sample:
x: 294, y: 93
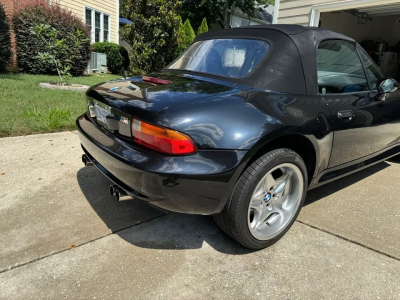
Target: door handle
x: 346, y: 115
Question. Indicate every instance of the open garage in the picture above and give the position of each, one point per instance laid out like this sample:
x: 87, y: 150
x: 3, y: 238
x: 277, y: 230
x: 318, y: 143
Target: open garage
x: 376, y: 29
x: 374, y: 24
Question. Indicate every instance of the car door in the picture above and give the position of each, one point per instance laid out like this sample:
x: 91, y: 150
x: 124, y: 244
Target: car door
x: 359, y: 120
x: 391, y: 100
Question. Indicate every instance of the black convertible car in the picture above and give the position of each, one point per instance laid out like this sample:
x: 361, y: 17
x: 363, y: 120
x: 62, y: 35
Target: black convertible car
x: 242, y: 124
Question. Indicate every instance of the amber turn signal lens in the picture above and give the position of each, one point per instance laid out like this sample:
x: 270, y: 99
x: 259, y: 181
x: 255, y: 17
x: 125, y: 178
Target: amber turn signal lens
x: 162, y: 139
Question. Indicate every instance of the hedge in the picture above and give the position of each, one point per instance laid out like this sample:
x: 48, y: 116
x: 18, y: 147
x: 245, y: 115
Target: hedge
x: 117, y: 56
x: 29, y: 46
x: 5, y: 42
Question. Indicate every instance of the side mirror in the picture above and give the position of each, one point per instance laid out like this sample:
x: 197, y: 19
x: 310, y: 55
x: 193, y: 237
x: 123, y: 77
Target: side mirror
x: 387, y: 85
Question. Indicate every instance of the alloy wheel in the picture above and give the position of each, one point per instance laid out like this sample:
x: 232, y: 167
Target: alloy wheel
x: 275, y: 201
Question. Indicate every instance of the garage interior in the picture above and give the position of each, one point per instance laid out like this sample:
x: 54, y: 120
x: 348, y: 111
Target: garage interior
x: 375, y: 28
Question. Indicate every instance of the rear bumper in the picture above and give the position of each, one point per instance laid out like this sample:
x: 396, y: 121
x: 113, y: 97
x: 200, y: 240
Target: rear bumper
x: 196, y: 184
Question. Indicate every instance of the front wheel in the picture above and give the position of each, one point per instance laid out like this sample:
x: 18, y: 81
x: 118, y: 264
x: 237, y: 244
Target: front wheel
x: 266, y: 200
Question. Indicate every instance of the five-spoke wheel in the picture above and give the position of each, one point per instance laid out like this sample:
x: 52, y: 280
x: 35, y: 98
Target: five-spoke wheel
x: 266, y: 200
x: 275, y: 201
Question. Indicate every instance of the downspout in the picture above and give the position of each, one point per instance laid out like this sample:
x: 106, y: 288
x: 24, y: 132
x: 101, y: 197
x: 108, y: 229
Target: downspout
x: 276, y: 11
x: 117, y: 21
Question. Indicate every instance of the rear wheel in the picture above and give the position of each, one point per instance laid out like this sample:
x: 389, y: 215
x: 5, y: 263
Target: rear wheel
x: 266, y: 200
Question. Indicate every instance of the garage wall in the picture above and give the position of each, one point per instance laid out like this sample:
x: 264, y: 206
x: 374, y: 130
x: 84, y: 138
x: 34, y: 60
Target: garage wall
x: 298, y: 11
x: 347, y: 24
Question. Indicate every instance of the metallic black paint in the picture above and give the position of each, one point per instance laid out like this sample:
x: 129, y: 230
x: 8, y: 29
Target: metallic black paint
x: 170, y: 182
x: 262, y: 115
x: 374, y: 126
x: 232, y: 120
x: 143, y: 100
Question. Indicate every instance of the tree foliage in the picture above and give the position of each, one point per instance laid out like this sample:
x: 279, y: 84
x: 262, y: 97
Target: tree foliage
x: 153, y: 34
x: 70, y: 29
x: 5, y: 42
x: 55, y: 50
x: 203, y: 27
x: 186, y: 35
x: 219, y: 11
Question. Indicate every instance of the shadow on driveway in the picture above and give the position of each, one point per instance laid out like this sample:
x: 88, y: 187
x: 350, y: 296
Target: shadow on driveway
x: 177, y: 231
x: 174, y: 231
x: 335, y: 186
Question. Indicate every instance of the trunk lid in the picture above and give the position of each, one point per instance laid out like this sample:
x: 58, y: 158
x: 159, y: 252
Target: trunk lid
x: 144, y: 96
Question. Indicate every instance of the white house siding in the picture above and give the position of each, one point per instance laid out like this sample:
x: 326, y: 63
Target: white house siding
x: 109, y: 7
x: 299, y: 11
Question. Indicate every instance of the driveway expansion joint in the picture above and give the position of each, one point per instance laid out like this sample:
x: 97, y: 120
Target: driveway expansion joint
x: 349, y: 240
x: 79, y: 245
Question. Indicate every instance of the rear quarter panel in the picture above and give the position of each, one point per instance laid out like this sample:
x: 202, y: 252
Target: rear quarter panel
x: 249, y: 120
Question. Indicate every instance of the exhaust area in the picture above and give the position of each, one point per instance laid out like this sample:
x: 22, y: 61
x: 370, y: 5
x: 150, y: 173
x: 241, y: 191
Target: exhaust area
x: 86, y: 161
x: 113, y: 189
x: 119, y: 193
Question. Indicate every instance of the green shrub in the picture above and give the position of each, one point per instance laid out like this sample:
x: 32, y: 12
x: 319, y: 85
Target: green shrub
x: 5, y: 42
x: 71, y: 30
x: 57, y: 52
x: 203, y: 27
x: 186, y: 35
x: 116, y: 55
x: 153, y: 34
x: 189, y: 33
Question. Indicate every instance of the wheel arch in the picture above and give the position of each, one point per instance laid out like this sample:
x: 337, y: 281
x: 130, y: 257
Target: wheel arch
x: 307, y: 147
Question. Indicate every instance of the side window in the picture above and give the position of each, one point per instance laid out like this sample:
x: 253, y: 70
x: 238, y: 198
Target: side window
x: 339, y: 68
x: 373, y: 71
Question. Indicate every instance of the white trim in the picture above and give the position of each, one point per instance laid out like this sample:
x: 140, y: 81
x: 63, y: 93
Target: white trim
x: 276, y: 12
x: 316, y: 10
x: 117, y: 22
x: 93, y: 27
x: 101, y: 27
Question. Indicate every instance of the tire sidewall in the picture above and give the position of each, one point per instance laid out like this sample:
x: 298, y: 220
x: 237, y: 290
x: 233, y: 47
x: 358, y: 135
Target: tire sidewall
x: 263, y: 168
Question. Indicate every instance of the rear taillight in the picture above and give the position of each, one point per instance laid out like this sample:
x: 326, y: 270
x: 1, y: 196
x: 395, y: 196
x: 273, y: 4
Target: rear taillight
x: 162, y: 139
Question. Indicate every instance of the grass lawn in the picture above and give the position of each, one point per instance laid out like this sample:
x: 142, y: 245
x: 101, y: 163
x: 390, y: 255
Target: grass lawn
x: 26, y: 108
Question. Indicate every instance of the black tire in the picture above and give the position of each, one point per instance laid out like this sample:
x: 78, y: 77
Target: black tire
x: 395, y: 158
x: 233, y: 218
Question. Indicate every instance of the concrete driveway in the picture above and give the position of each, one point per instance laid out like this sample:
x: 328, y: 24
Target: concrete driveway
x: 63, y: 236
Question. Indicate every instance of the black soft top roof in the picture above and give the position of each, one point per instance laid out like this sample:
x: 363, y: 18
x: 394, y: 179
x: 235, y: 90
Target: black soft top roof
x: 290, y: 65
x: 256, y: 31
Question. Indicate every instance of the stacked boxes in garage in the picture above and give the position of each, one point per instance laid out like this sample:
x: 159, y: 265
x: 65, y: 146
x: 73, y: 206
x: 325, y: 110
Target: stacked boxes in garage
x: 388, y: 62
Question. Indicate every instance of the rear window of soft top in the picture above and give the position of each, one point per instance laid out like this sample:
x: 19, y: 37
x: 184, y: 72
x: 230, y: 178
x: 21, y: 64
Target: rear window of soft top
x: 234, y: 58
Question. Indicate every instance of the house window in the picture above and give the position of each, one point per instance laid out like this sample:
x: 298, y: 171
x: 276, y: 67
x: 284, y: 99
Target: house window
x: 88, y: 18
x: 105, y: 30
x: 244, y: 23
x: 99, y: 25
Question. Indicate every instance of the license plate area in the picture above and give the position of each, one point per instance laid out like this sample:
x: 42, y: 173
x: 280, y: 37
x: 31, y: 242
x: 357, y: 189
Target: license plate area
x: 102, y: 111
x: 111, y: 119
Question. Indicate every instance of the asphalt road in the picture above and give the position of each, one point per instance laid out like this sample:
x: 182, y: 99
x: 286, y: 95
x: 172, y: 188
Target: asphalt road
x: 62, y: 236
